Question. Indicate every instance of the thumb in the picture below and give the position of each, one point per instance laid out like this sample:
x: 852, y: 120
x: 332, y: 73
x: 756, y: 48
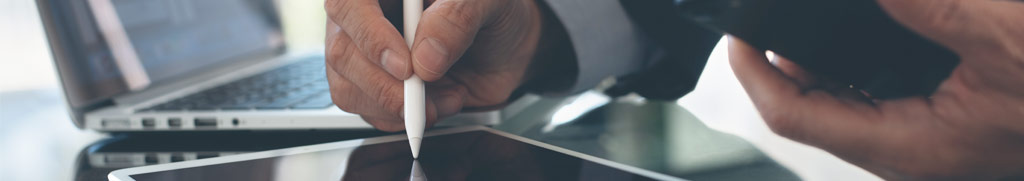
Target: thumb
x: 958, y: 24
x: 445, y: 31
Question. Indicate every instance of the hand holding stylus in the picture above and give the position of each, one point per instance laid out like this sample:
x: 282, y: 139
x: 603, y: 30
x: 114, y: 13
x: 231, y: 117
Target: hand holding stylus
x: 469, y: 53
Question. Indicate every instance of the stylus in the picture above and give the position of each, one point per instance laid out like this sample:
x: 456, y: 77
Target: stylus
x: 415, y: 104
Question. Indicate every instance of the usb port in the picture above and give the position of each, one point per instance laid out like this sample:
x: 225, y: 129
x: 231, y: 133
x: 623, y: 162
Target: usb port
x: 151, y: 159
x: 174, y: 122
x: 206, y: 122
x: 115, y: 123
x: 148, y: 122
x: 204, y: 155
x: 177, y: 157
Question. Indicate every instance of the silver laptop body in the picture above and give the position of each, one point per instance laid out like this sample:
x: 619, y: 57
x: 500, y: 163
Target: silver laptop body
x: 169, y: 65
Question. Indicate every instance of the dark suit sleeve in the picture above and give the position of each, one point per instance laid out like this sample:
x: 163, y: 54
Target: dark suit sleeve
x: 643, y: 44
x: 685, y: 47
x: 605, y: 42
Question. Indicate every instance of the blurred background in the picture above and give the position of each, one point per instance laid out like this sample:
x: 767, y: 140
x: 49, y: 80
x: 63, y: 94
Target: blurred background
x: 30, y: 98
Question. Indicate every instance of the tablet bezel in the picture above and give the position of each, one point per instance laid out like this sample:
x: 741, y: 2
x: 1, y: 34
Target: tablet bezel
x: 124, y: 174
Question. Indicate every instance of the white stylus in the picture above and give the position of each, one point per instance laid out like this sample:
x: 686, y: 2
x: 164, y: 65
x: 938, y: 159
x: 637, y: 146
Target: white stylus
x: 415, y: 100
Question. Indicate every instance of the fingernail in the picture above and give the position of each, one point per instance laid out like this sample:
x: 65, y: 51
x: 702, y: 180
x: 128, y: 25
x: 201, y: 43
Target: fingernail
x: 447, y: 105
x: 431, y: 54
x: 393, y: 64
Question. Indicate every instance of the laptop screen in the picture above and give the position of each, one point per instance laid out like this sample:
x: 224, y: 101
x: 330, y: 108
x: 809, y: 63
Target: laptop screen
x: 171, y: 39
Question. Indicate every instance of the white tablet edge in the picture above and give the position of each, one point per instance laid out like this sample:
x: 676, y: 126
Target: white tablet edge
x: 123, y: 174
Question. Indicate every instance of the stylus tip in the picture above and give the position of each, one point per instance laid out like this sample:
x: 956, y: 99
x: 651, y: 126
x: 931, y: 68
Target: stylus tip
x: 414, y: 144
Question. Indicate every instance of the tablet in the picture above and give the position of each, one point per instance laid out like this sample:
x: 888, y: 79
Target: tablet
x: 463, y: 153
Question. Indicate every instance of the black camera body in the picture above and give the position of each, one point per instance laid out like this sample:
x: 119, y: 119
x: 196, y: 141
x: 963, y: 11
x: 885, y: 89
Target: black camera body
x: 851, y: 41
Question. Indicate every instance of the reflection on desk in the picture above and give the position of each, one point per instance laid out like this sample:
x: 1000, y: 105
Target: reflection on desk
x: 416, y: 174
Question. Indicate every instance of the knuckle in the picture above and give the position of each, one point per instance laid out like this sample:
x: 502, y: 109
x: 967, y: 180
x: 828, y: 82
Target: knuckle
x: 339, y: 54
x: 392, y: 104
x: 389, y: 96
x: 334, y: 54
x: 340, y: 102
x: 343, y: 96
x: 452, y: 12
x: 371, y: 41
x: 333, y: 7
x: 427, y: 73
x: 361, y: 31
x: 329, y: 4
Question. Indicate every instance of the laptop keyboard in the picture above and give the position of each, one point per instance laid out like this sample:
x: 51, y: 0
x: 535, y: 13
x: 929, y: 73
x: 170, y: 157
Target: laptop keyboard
x: 300, y: 85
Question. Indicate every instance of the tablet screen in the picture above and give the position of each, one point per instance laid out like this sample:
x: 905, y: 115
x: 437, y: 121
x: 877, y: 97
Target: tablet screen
x: 473, y: 155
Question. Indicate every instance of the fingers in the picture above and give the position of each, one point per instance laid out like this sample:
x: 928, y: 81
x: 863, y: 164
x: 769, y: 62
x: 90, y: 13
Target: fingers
x: 374, y: 36
x: 803, y: 78
x: 446, y: 30
x: 813, y: 117
x: 359, y: 87
x: 958, y: 24
x: 347, y: 62
x: 351, y: 99
x: 762, y: 81
x: 448, y: 97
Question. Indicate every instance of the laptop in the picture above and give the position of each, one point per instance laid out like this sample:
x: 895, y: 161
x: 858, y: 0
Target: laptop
x: 169, y: 65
